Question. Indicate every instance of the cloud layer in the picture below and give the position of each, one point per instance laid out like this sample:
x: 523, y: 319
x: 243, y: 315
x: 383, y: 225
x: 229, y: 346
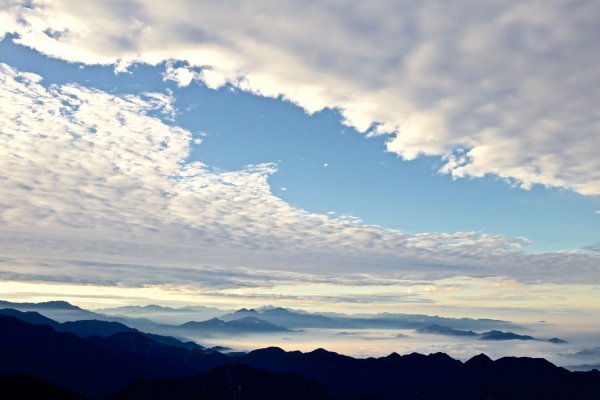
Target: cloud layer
x: 496, y: 87
x: 96, y: 189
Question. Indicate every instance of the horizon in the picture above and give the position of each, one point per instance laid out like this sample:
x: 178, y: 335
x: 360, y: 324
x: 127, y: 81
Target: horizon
x: 359, y: 336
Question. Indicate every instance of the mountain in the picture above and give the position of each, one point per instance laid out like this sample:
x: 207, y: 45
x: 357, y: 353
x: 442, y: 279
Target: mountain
x: 236, y: 326
x: 138, y: 309
x: 288, y: 319
x: 32, y: 317
x: 171, y: 341
x: 164, y: 315
x: 94, y: 327
x: 99, y: 366
x: 26, y: 387
x: 444, y: 330
x: 592, y: 352
x: 241, y: 313
x: 155, y: 318
x: 557, y: 340
x: 414, y: 321
x: 232, y: 382
x: 94, y: 366
x: 499, y: 335
x: 297, y: 319
x: 62, y: 311
x: 88, y: 328
x: 435, y: 376
x: 294, y: 319
x: 490, y: 335
x: 47, y: 305
x: 56, y: 310
x: 583, y: 367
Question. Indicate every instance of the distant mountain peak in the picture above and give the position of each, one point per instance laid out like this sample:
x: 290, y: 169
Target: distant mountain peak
x: 54, y: 305
x: 499, y: 335
x: 268, y: 351
x: 479, y: 360
x: 31, y: 317
x: 59, y: 304
x: 246, y: 311
x: 557, y: 340
x: 445, y: 330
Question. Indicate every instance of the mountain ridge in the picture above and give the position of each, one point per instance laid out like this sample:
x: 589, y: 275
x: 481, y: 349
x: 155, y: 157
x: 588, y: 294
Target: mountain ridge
x: 99, y: 366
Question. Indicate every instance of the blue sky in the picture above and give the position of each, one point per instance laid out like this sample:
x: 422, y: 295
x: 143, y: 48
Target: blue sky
x: 361, y: 178
x: 387, y: 154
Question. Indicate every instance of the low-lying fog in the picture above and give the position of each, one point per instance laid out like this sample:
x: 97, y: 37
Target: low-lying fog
x: 381, y: 342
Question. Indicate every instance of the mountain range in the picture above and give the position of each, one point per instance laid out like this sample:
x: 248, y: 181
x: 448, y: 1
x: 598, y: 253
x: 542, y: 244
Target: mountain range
x: 130, y: 364
x: 489, y: 335
x: 242, y: 324
x: 297, y: 319
x: 188, y: 320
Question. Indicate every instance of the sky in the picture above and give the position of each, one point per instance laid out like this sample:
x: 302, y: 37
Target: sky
x: 436, y: 157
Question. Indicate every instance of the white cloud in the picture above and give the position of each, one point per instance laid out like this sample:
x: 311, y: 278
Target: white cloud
x: 495, y: 87
x: 93, y: 180
x: 183, y: 76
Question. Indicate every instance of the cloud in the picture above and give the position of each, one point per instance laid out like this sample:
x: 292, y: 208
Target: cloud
x: 183, y: 76
x: 100, y: 183
x: 496, y: 87
x: 588, y: 353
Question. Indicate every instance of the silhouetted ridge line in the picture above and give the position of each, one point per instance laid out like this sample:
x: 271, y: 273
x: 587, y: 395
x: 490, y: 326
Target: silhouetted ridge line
x: 97, y: 366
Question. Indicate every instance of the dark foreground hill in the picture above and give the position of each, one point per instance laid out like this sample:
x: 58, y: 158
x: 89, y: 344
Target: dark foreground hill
x: 98, y: 366
x: 95, y: 366
x: 231, y: 382
x: 25, y: 387
x: 435, y: 376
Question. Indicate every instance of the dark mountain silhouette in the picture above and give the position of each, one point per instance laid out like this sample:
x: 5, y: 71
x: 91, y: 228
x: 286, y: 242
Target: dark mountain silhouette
x: 98, y: 366
x: 32, y: 317
x: 107, y: 328
x: 62, y: 311
x: 499, y: 335
x: 436, y: 376
x: 444, y: 330
x: 94, y: 366
x: 94, y: 328
x: 88, y: 328
x: 557, y: 340
x: 236, y: 326
x: 26, y: 387
x: 490, y: 335
x: 583, y: 367
x: 171, y: 341
x: 233, y: 382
